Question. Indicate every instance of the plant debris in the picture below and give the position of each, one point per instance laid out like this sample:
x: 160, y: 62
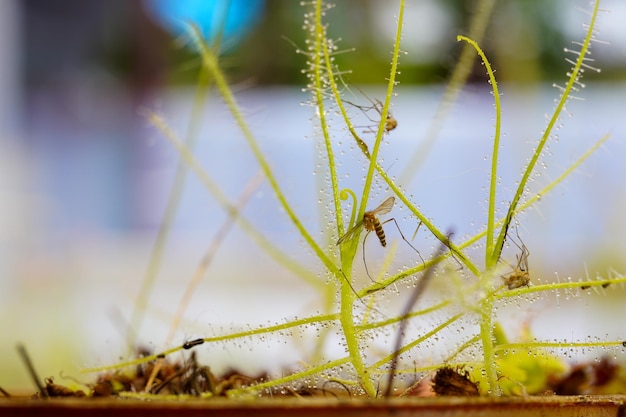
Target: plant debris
x: 53, y: 390
x: 174, y: 378
x: 189, y: 378
x: 601, y: 377
x: 450, y: 382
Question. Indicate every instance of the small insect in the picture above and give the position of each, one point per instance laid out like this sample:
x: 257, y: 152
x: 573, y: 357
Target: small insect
x: 390, y: 121
x: 371, y: 223
x: 192, y: 343
x: 586, y: 287
x: 597, y: 282
x: 520, y: 276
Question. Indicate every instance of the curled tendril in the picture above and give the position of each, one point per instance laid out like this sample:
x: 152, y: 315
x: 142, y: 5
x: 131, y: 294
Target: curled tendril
x: 344, y: 195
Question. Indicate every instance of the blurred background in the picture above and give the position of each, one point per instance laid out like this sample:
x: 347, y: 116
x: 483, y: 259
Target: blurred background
x: 85, y: 180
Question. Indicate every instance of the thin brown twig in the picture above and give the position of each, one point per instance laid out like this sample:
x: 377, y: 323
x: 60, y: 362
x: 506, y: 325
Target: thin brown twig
x: 417, y: 292
x: 21, y: 349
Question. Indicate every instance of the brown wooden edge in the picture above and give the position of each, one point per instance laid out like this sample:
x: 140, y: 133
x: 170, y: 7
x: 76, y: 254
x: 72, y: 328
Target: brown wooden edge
x: 558, y: 406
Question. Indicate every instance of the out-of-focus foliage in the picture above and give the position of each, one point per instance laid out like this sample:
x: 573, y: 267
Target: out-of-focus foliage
x: 525, y: 39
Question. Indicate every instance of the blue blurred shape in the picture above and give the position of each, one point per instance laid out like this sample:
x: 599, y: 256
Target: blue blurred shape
x: 233, y: 19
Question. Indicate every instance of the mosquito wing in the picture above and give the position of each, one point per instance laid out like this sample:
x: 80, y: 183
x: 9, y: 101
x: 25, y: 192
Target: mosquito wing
x: 385, y: 207
x: 350, y: 233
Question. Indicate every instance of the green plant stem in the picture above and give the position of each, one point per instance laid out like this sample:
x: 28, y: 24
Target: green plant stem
x: 379, y: 324
x: 320, y: 47
x: 294, y: 377
x: 416, y: 294
x: 417, y: 341
x: 347, y: 296
x: 347, y: 251
x: 342, y: 109
x: 384, y: 112
x: 544, y: 191
x: 210, y: 61
x: 573, y: 78
x: 461, y: 348
x: 486, y: 338
x: 491, y: 210
x: 380, y: 285
x: 238, y: 335
x: 352, y: 340
x: 558, y: 345
x: 559, y: 286
x: 486, y: 305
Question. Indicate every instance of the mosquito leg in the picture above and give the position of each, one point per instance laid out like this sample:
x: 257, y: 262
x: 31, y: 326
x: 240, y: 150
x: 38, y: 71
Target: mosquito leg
x: 453, y: 252
x: 522, y: 258
x: 364, y: 110
x: 456, y: 259
x: 360, y: 299
x: 349, y: 283
x: 364, y: 262
x: 407, y: 242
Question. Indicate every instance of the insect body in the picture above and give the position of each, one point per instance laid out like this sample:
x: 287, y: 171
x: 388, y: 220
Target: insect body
x: 517, y: 278
x: 390, y: 121
x: 371, y: 223
x: 520, y: 276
